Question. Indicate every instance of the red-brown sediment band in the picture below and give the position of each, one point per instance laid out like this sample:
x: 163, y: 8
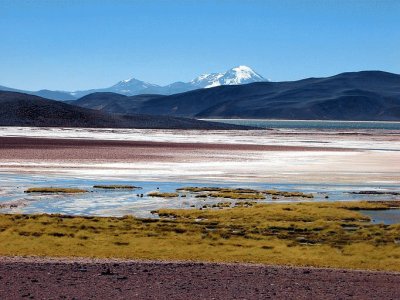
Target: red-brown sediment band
x: 48, y: 148
x: 42, y: 278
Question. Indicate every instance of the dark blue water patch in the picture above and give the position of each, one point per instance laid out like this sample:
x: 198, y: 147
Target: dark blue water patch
x: 313, y: 124
x: 388, y: 217
x: 123, y: 202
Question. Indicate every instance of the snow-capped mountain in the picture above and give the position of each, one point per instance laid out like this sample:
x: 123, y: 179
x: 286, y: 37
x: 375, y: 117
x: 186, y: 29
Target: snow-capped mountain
x: 234, y: 76
x: 130, y: 87
x: 133, y: 86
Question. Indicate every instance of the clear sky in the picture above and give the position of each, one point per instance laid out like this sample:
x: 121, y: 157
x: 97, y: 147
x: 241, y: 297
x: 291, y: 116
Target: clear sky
x: 80, y: 44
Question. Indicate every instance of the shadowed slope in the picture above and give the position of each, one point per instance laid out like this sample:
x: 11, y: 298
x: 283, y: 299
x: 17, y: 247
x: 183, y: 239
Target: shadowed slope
x: 113, y: 102
x: 18, y: 109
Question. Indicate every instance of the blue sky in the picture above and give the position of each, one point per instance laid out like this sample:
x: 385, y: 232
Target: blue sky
x: 80, y: 44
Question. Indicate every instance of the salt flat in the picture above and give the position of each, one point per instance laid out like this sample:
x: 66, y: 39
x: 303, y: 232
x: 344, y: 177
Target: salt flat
x: 289, y: 155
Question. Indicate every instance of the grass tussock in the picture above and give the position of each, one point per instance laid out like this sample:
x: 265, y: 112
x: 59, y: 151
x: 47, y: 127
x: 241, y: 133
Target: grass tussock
x: 306, y: 234
x: 245, y: 203
x: 195, y: 189
x: 233, y: 195
x: 288, y: 194
x: 55, y: 190
x: 240, y: 193
x: 116, y: 187
x: 163, y: 195
x: 222, y: 205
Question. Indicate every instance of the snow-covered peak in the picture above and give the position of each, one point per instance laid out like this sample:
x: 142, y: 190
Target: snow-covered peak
x: 131, y: 86
x: 237, y: 75
x: 240, y: 75
x: 133, y: 81
x: 234, y: 76
x: 206, y: 79
x: 242, y: 69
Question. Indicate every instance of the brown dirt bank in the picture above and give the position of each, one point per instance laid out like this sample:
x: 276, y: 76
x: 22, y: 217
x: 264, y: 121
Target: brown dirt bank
x: 45, y: 148
x: 38, y: 278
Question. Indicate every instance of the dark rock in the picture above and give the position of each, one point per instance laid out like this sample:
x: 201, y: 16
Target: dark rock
x: 107, y: 272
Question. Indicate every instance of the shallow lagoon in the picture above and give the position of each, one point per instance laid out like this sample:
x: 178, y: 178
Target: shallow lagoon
x: 388, y: 217
x: 312, y: 124
x: 127, y: 202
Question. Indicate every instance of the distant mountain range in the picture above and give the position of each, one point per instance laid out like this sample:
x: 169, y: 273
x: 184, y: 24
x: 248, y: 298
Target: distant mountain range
x: 54, y: 95
x: 366, y: 95
x: 17, y: 109
x: 235, y: 76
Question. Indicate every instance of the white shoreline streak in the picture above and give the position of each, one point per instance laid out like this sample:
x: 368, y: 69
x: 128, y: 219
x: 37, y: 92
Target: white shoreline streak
x: 361, y: 166
x: 270, y: 166
x: 360, y: 139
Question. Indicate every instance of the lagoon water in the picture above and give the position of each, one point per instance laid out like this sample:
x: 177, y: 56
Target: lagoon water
x: 388, y: 217
x: 312, y: 124
x: 99, y: 202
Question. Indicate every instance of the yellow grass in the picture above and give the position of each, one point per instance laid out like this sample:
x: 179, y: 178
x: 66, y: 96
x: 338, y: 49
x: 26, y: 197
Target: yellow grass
x: 164, y: 195
x: 114, y: 187
x: 55, y: 190
x: 216, y: 189
x: 288, y: 194
x: 312, y: 234
x: 240, y: 193
x: 233, y: 195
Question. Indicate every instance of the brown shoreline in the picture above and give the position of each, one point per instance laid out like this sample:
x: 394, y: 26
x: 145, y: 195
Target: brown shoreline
x: 64, y: 149
x: 45, y: 143
x: 43, y: 278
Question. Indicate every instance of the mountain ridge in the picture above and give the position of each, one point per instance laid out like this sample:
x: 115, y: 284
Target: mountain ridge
x: 133, y: 86
x: 364, y: 95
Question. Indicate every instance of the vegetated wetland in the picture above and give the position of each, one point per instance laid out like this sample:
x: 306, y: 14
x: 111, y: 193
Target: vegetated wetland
x: 318, y: 234
x: 204, y: 195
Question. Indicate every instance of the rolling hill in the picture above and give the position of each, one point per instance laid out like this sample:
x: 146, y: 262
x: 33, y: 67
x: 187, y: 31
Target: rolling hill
x: 17, y: 109
x: 55, y: 95
x: 113, y: 102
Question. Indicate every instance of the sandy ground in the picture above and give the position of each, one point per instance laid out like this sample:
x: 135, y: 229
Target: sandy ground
x: 34, y: 278
x: 177, y: 161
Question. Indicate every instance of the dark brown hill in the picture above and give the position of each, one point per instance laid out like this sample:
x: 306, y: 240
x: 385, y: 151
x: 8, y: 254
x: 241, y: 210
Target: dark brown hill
x: 17, y: 109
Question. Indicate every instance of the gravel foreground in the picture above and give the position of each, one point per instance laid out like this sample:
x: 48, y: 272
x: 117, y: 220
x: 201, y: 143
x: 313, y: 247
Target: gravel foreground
x: 41, y: 278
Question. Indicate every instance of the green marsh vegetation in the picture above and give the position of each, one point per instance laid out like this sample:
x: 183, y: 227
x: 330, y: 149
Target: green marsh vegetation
x: 322, y: 234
